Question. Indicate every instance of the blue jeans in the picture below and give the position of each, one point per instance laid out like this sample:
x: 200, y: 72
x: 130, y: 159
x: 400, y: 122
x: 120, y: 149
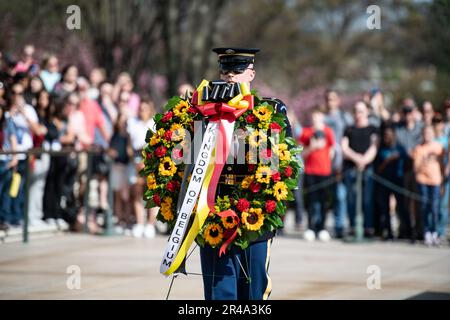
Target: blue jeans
x: 14, y: 207
x: 224, y: 279
x: 316, y: 202
x: 350, y: 176
x: 443, y: 211
x: 429, y: 206
x: 340, y: 207
x: 5, y: 182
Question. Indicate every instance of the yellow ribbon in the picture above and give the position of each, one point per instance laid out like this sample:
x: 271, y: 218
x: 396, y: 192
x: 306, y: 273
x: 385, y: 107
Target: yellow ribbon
x: 199, y: 219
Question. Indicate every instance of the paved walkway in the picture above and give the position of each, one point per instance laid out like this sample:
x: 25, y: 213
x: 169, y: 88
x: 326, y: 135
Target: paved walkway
x: 127, y: 268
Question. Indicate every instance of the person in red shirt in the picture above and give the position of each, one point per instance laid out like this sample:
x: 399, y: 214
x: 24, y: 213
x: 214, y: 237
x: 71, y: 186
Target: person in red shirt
x: 318, y: 143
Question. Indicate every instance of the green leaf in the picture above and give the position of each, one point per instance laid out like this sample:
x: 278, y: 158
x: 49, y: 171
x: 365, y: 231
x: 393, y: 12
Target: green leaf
x: 172, y: 103
x: 280, y: 208
x: 290, y: 141
x: 291, y: 183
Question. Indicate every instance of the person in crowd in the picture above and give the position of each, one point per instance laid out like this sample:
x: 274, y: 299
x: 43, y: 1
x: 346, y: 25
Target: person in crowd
x: 443, y: 139
x: 378, y: 112
x: 428, y: 168
x: 408, y: 133
x: 26, y: 124
x: 68, y: 83
x: 50, y: 74
x: 96, y: 78
x: 359, y: 146
x: 428, y: 113
x: 121, y: 152
x: 35, y: 86
x: 137, y: 128
x: 337, y: 120
x: 318, y: 142
x: 95, y: 123
x: 125, y: 83
x: 8, y: 142
x: 59, y: 205
x: 389, y: 165
x: 44, y: 110
x: 26, y: 62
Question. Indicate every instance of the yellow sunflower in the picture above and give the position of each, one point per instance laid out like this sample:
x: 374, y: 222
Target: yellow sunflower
x: 280, y: 191
x: 178, y: 132
x: 262, y: 113
x: 263, y: 174
x: 181, y: 108
x: 151, y: 181
x: 246, y: 182
x: 256, y: 138
x: 282, y: 151
x: 166, y: 209
x: 253, y: 219
x: 154, y: 140
x: 229, y: 222
x: 167, y: 167
x: 213, y: 234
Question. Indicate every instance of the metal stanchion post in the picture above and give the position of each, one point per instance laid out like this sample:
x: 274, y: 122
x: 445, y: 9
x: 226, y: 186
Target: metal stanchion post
x: 86, y: 192
x: 359, y: 206
x: 25, y: 205
x: 109, y: 225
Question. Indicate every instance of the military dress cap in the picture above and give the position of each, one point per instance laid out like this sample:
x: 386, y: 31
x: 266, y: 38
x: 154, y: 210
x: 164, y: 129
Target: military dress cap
x: 235, y: 58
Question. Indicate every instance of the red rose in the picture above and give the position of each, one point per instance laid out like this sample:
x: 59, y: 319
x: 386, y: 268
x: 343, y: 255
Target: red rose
x: 276, y: 176
x: 288, y: 171
x: 270, y: 206
x: 173, y: 186
x: 160, y: 151
x: 250, y: 118
x: 149, y: 156
x: 177, y: 154
x: 265, y: 154
x: 275, y: 127
x: 156, y: 199
x: 243, y: 205
x: 168, y: 135
x: 254, y: 187
x: 167, y: 116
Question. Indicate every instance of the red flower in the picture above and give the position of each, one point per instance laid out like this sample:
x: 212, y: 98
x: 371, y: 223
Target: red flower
x: 288, y: 171
x: 254, y: 187
x: 173, y: 186
x: 251, y: 167
x: 265, y: 154
x: 149, y: 156
x: 160, y: 151
x: 276, y: 176
x: 177, y: 154
x: 167, y: 116
x: 168, y: 135
x: 156, y: 199
x: 192, y: 110
x: 275, y: 127
x: 243, y: 205
x: 250, y: 118
x: 270, y: 206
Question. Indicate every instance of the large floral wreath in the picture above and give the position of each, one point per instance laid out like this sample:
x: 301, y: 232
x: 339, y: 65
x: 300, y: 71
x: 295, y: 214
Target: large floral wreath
x: 258, y: 201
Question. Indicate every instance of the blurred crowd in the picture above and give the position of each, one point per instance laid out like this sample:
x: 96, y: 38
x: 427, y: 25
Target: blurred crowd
x: 46, y: 107
x: 376, y: 164
x: 369, y: 162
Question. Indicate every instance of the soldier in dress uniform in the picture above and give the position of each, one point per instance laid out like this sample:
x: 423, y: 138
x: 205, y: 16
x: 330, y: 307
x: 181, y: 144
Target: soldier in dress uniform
x: 238, y: 274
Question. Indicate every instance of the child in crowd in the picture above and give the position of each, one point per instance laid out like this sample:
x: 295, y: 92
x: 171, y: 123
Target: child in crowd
x: 428, y: 168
